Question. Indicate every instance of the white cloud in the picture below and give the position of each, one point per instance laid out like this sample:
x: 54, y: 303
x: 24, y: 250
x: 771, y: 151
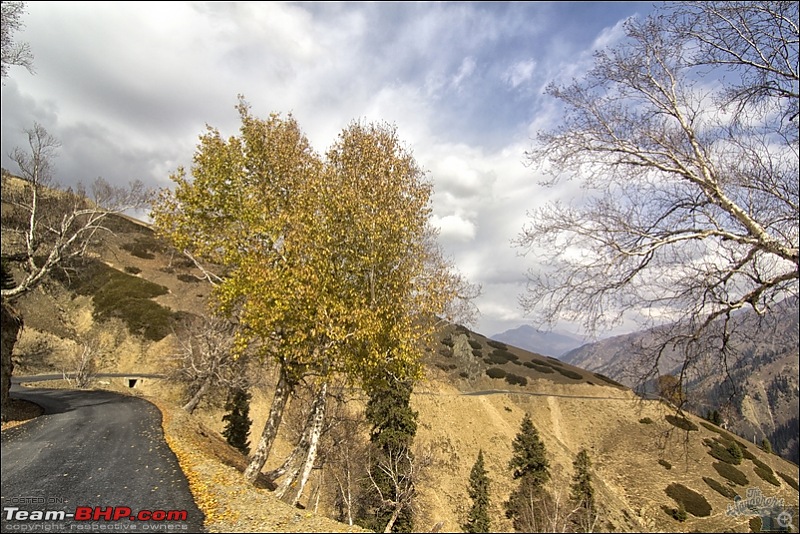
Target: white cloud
x: 519, y: 73
x: 454, y: 227
x: 610, y: 36
x: 128, y: 87
x: 456, y: 174
x: 464, y: 71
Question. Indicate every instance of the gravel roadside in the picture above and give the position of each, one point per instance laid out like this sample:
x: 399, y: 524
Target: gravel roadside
x: 214, y: 472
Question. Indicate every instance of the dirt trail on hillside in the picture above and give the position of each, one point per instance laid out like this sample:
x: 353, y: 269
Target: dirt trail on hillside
x: 555, y: 417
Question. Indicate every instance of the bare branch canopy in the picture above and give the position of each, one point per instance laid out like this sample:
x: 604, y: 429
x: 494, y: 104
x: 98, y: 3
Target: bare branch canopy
x: 45, y: 225
x: 684, y: 139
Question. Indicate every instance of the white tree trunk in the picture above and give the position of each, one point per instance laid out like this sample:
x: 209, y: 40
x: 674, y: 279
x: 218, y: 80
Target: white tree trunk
x: 316, y: 431
x: 308, y: 446
x: 395, y: 515
x: 259, y: 458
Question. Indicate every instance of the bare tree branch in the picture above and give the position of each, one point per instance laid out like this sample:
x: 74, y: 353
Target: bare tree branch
x: 48, y: 226
x: 684, y: 138
x: 206, y: 358
x: 14, y: 53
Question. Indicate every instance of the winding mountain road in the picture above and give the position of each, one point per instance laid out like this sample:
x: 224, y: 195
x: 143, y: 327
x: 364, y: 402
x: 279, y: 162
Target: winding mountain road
x: 96, y: 461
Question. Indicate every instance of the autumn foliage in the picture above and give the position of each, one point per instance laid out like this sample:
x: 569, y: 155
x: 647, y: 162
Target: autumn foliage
x: 330, y: 264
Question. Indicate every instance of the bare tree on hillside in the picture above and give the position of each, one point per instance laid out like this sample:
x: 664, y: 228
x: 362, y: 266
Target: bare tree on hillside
x: 206, y: 360
x: 82, y: 366
x: 404, y: 472
x: 46, y: 226
x: 343, y: 452
x: 13, y: 52
x: 685, y: 140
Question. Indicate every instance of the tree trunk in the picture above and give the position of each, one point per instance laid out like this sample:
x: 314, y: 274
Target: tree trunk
x: 288, y: 482
x: 299, y: 450
x: 282, y: 391
x: 347, y: 495
x: 317, y: 493
x: 307, y: 446
x: 316, y: 430
x: 10, y: 324
x: 195, y: 400
x: 395, y: 515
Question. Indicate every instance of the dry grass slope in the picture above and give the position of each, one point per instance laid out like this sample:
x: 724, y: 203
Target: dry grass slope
x: 230, y: 504
x: 461, y: 410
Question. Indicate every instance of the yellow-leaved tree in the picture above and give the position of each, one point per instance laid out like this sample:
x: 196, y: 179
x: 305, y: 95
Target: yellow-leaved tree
x: 330, y: 264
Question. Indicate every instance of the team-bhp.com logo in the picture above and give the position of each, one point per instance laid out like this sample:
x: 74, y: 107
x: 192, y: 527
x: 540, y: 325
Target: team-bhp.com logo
x: 94, y: 513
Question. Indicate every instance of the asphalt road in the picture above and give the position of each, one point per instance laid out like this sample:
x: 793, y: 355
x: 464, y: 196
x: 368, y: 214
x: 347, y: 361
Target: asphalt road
x: 95, y: 455
x: 43, y: 378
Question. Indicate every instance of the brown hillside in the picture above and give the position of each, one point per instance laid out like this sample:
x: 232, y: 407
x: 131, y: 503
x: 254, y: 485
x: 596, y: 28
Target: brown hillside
x: 757, y: 396
x: 462, y: 410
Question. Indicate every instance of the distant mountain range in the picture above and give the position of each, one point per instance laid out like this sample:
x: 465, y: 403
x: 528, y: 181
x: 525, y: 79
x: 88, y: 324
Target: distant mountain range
x: 760, y: 397
x: 545, y: 343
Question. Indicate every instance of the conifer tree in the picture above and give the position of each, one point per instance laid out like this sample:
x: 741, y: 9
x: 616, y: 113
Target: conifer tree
x: 530, y: 458
x: 582, y: 493
x: 237, y: 420
x: 387, y: 499
x: 478, y: 519
x: 530, y: 466
x: 716, y: 418
x: 766, y: 446
x: 736, y: 452
x: 713, y: 417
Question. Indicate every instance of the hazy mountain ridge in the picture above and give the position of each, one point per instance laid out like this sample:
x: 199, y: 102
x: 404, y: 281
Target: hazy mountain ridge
x: 545, y: 343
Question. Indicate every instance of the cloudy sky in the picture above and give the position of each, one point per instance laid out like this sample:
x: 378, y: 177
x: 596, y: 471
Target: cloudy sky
x: 128, y: 87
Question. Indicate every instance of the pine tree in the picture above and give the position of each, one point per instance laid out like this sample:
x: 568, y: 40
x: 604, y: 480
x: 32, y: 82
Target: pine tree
x: 582, y: 493
x: 766, y: 446
x: 530, y: 457
x: 530, y: 466
x: 713, y: 417
x: 394, y: 425
x: 736, y: 452
x: 478, y: 519
x: 716, y: 418
x: 237, y: 420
